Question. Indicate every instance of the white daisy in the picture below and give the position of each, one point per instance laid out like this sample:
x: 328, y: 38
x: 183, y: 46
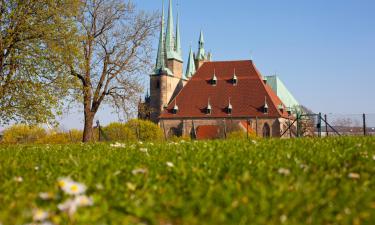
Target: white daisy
x: 144, y: 150
x: 83, y: 200
x: 284, y: 171
x: 170, y: 164
x: 139, y: 171
x: 75, y: 188
x: 71, y: 187
x: 45, y: 195
x: 354, y: 176
x: 40, y: 215
x: 68, y: 206
x: 18, y: 179
x: 118, y: 145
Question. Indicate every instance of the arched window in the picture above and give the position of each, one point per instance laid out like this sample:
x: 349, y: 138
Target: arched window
x: 266, y: 131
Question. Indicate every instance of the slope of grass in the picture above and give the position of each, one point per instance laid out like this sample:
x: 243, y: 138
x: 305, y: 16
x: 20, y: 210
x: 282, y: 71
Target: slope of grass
x: 305, y: 181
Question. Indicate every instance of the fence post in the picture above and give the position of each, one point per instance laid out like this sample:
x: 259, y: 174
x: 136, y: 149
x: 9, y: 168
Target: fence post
x: 364, y: 125
x: 325, y: 120
x: 298, y: 125
x: 320, y: 125
x: 256, y: 126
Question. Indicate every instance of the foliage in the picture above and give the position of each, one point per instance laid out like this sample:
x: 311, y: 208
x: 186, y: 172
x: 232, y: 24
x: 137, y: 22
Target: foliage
x: 145, y: 130
x: 298, y: 181
x: 119, y: 132
x: 23, y: 134
x: 36, y: 39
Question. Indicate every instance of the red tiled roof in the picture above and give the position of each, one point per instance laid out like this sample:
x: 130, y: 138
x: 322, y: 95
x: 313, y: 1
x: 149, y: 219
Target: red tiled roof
x: 247, y: 97
x: 208, y: 132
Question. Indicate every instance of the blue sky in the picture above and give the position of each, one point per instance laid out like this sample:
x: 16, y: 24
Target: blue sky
x: 323, y: 50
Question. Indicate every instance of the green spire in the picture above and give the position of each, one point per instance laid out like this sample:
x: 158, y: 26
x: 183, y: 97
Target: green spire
x: 160, y: 65
x: 160, y: 62
x: 201, y: 52
x: 190, y: 69
x: 178, y: 40
x: 170, y: 33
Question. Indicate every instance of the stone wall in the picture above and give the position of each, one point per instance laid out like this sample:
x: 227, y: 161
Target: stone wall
x: 183, y: 127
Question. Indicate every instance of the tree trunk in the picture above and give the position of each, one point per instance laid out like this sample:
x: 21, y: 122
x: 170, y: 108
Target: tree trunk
x: 88, y: 128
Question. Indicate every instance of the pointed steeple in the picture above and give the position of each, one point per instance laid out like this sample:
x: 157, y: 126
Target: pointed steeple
x: 201, y: 52
x: 190, y: 69
x: 169, y: 39
x: 160, y: 59
x: 160, y: 65
x: 178, y: 39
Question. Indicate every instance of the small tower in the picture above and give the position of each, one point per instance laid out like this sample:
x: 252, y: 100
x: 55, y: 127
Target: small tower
x: 201, y: 56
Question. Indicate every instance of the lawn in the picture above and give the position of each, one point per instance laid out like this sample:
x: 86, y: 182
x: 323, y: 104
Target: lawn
x: 304, y: 181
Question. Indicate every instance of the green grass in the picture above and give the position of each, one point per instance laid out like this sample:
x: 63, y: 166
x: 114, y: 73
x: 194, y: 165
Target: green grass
x: 219, y: 182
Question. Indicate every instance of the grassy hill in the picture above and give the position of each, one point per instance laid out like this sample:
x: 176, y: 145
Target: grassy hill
x: 304, y: 181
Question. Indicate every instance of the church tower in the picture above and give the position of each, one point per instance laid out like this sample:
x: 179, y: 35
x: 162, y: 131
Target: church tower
x: 168, y: 78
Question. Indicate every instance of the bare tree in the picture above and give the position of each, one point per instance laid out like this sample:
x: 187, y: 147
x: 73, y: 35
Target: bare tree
x: 116, y: 47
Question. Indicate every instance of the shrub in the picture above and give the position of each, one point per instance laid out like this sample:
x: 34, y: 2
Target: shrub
x: 145, y: 130
x: 178, y: 139
x: 23, y: 134
x: 118, y: 132
x: 54, y: 138
x: 75, y: 136
x: 72, y: 136
x: 241, y: 135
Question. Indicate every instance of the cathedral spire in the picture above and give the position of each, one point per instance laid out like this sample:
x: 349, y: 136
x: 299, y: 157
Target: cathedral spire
x: 178, y: 39
x: 201, y: 52
x: 160, y: 59
x: 170, y: 33
x: 190, y: 69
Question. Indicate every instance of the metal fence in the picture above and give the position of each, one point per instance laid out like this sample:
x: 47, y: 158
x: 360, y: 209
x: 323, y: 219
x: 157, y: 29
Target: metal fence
x: 348, y: 124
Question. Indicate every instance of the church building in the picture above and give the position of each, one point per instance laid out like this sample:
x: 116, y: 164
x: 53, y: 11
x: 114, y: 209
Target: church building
x: 210, y: 99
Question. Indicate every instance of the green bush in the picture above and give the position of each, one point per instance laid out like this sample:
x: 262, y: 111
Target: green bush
x: 119, y: 132
x: 54, y: 138
x: 23, y: 134
x: 145, y: 130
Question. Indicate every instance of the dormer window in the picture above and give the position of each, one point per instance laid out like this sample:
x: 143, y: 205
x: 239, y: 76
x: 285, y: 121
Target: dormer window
x: 214, y: 79
x: 234, y: 79
x: 265, y: 107
x: 229, y: 108
x: 289, y: 111
x: 175, y: 109
x: 209, y: 108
